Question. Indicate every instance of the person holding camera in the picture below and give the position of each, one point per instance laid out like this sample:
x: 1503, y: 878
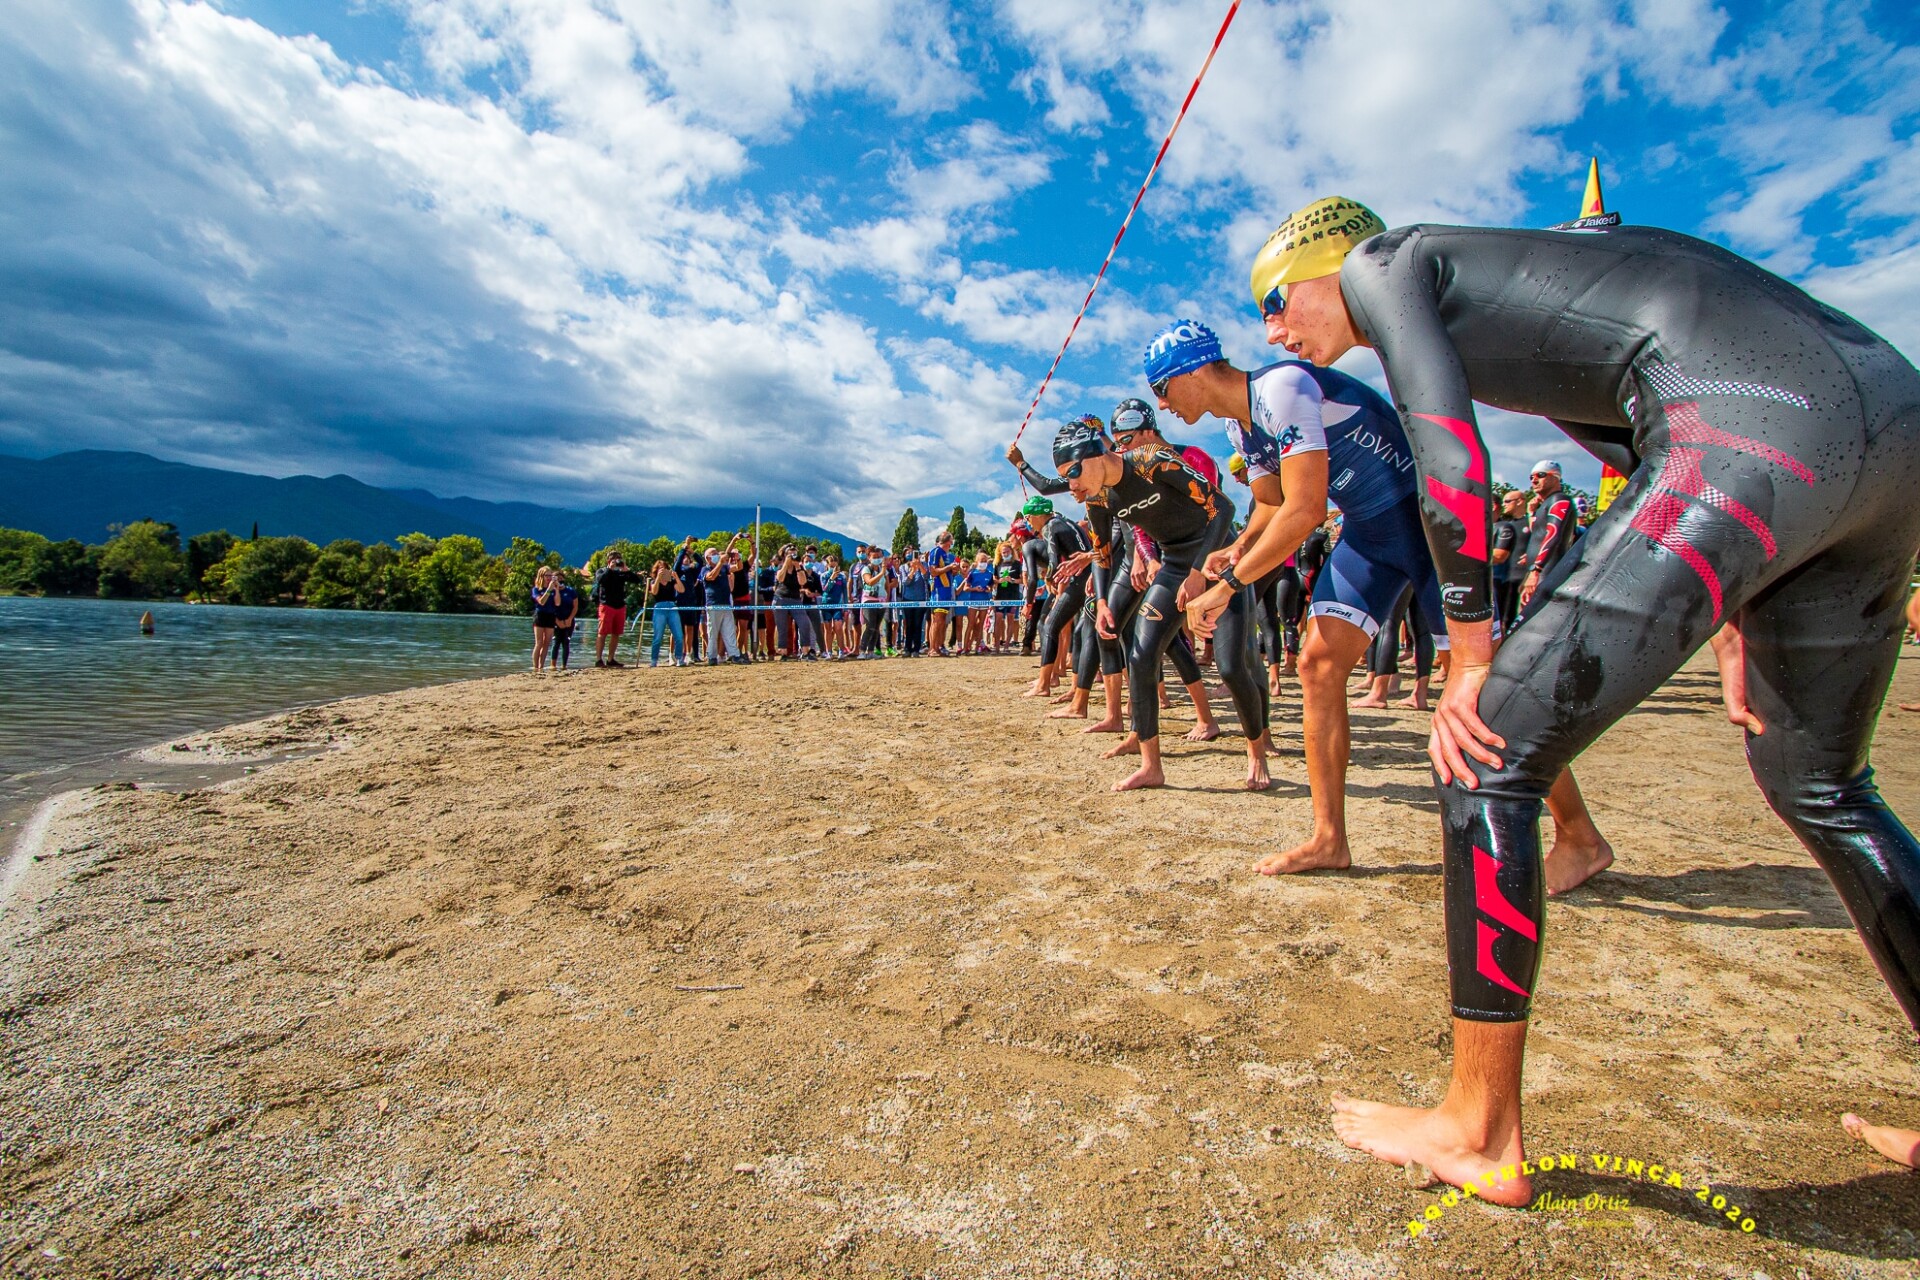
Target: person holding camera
x: 688, y: 567
x: 718, y: 579
x: 610, y: 596
x: 796, y: 634
x: 665, y: 587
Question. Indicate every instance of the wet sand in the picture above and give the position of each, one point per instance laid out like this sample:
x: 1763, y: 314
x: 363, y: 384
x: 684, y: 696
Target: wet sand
x: 809, y: 971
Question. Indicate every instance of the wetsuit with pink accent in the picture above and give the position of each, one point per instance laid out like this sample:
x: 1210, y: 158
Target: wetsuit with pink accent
x: 1770, y: 443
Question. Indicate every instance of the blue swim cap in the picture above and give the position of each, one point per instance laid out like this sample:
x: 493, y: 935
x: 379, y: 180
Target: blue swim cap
x: 1181, y: 347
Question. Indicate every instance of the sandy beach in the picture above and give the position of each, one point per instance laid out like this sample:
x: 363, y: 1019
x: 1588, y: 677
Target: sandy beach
x: 859, y: 971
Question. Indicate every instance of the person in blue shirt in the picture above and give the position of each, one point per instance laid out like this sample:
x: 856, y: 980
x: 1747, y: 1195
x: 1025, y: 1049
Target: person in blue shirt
x: 941, y: 574
x: 915, y: 588
x: 566, y: 612
x: 834, y: 608
x: 976, y: 594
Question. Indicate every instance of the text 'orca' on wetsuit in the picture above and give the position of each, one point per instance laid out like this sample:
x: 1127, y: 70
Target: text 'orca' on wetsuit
x: 1160, y: 494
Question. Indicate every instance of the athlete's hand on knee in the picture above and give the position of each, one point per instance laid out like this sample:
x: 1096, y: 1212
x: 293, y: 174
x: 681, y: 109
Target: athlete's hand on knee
x: 1730, y: 652
x: 1203, y: 614
x: 1103, y: 623
x: 1195, y: 584
x: 1139, y: 574
x: 1458, y: 731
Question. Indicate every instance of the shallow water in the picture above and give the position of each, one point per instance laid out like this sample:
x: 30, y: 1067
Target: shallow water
x: 79, y: 684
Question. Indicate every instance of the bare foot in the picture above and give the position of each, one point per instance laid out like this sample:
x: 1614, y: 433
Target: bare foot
x: 1166, y: 703
x: 1910, y: 706
x: 1112, y: 724
x: 1371, y: 699
x: 1902, y: 1146
x: 1127, y: 746
x: 1205, y: 731
x: 1570, y: 865
x: 1319, y: 853
x: 1066, y: 713
x: 1038, y: 690
x: 1147, y: 775
x: 1258, y: 778
x: 1412, y: 702
x: 1403, y: 1135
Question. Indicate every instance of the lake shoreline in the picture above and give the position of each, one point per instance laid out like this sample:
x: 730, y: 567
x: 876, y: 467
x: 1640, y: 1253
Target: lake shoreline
x: 86, y: 692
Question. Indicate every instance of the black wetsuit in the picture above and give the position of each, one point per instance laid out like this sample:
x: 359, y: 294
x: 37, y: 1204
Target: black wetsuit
x: 1060, y: 540
x: 1178, y: 508
x: 1044, y: 485
x: 1510, y: 536
x: 1109, y: 657
x: 1293, y: 587
x: 1550, y: 536
x: 1771, y: 444
x: 1033, y: 572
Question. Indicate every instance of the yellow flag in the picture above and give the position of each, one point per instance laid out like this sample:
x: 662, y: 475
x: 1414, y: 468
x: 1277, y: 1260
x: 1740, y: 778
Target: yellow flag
x: 1594, y: 203
x: 1611, y: 485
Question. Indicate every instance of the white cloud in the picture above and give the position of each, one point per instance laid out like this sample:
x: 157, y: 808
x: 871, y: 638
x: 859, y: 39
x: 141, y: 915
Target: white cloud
x: 548, y: 270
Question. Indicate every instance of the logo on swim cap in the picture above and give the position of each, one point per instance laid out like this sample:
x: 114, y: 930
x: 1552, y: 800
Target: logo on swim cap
x: 1181, y: 347
x: 1132, y: 415
x: 1313, y: 242
x: 1037, y: 506
x: 1078, y: 438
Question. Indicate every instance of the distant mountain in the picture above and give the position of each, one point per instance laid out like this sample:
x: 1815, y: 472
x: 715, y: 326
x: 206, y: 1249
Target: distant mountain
x: 77, y: 495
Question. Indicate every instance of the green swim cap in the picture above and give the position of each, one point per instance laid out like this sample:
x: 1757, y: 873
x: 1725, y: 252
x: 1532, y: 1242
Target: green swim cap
x: 1037, y: 506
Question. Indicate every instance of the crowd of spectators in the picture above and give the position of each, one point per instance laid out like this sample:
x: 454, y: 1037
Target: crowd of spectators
x: 721, y: 605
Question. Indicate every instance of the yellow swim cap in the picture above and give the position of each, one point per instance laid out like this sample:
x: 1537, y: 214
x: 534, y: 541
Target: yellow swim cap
x: 1236, y: 463
x: 1311, y: 243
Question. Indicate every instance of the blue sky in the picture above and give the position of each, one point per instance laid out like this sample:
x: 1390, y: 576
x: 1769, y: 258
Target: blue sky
x: 818, y: 255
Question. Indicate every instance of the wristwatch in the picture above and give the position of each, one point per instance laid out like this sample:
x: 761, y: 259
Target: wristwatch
x: 1227, y: 576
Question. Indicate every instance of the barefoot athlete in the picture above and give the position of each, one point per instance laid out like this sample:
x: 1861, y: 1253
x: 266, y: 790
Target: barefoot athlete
x: 1182, y: 511
x: 1137, y: 559
x: 1297, y: 426
x: 1060, y: 541
x: 1776, y: 438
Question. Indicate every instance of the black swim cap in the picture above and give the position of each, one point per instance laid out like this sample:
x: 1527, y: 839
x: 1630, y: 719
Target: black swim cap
x: 1132, y: 415
x: 1079, y: 438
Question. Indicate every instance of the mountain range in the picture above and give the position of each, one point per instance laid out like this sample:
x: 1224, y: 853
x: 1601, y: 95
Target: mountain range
x: 80, y: 494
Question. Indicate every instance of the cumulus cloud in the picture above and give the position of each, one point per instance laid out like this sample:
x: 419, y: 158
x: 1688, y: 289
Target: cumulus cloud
x: 725, y: 250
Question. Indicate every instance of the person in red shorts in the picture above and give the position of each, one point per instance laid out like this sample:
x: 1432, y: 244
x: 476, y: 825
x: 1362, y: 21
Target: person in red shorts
x: 610, y: 590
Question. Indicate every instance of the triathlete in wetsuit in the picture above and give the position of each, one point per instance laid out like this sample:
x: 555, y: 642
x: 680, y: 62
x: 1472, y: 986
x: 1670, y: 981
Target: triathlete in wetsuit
x: 1550, y: 535
x: 1771, y: 443
x: 1305, y: 433
x: 1060, y: 540
x: 1033, y: 569
x: 1094, y: 653
x: 1181, y: 510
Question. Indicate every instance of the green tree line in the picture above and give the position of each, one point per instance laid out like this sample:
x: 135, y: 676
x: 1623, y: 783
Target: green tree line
x: 147, y: 560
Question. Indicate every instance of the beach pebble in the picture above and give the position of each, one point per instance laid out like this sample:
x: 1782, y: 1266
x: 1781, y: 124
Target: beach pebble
x: 745, y: 1167
x: 1418, y: 1175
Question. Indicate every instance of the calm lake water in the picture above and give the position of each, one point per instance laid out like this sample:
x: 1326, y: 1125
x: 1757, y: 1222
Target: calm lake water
x: 79, y: 684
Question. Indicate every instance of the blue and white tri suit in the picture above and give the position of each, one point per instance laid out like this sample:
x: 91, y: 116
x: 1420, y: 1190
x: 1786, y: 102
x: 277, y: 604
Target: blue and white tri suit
x: 1299, y: 408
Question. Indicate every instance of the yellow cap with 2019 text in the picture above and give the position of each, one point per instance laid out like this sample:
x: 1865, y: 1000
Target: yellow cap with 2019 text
x: 1312, y: 243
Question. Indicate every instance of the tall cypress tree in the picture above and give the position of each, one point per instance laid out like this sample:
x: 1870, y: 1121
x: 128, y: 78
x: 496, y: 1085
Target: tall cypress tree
x: 906, y: 534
